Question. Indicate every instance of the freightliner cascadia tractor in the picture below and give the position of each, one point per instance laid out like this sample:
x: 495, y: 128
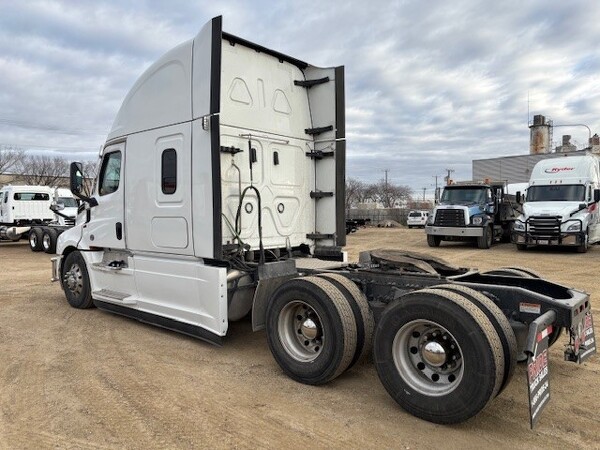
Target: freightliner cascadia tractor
x: 221, y: 195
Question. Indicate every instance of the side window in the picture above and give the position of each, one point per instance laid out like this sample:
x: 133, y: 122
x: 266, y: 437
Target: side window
x: 110, y: 173
x: 169, y: 171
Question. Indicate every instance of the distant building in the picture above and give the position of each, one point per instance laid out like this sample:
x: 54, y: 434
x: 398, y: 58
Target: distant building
x: 517, y: 168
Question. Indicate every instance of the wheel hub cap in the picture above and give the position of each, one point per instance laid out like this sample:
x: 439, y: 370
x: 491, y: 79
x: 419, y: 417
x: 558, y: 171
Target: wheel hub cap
x: 434, y: 354
x: 309, y: 329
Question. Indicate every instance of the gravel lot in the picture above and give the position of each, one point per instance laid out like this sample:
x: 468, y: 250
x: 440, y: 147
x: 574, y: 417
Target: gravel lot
x: 89, y: 379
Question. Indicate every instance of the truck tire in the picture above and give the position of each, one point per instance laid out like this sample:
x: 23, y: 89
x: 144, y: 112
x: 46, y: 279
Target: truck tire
x: 486, y: 240
x: 35, y: 239
x: 583, y: 248
x: 365, y: 323
x: 438, y: 356
x: 498, y: 320
x: 49, y: 236
x: 76, y: 281
x: 433, y: 241
x: 311, y: 330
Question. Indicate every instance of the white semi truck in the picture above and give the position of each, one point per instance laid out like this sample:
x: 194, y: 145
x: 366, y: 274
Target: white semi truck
x: 561, y: 205
x: 221, y: 195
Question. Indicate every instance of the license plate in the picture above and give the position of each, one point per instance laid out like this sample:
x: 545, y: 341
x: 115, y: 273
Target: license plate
x: 542, y: 242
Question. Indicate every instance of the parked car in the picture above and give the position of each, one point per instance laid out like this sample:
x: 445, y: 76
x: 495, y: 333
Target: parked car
x: 417, y: 219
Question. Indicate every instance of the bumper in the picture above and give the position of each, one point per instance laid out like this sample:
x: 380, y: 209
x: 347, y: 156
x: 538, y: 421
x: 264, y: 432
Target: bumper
x: 56, y: 267
x: 574, y: 239
x: 454, y: 231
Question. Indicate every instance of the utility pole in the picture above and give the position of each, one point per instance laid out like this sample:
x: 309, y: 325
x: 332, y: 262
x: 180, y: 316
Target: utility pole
x: 424, y: 189
x: 448, y: 179
x: 436, y: 193
x: 386, y: 176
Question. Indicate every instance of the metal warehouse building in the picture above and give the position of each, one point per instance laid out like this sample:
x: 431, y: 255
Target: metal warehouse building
x: 517, y: 169
x: 513, y: 169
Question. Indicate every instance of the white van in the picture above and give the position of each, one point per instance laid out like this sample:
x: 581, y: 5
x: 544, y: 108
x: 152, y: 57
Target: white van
x: 561, y: 206
x: 417, y: 219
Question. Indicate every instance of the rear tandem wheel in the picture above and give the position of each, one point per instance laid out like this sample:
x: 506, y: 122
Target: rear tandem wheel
x: 311, y: 330
x: 438, y: 355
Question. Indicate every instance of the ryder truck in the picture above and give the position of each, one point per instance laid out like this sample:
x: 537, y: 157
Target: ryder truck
x: 561, y: 206
x: 221, y: 195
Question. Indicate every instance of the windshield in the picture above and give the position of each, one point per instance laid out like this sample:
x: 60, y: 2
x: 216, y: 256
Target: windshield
x: 465, y: 195
x: 414, y: 214
x: 556, y: 193
x: 69, y: 202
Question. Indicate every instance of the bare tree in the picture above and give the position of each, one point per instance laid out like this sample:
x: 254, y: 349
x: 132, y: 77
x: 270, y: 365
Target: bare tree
x: 43, y: 170
x: 390, y: 195
x: 354, y: 192
x: 10, y: 156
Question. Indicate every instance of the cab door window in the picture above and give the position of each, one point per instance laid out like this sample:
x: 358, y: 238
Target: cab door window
x: 110, y: 173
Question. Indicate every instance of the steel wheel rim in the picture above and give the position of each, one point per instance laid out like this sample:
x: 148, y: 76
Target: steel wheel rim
x: 417, y: 364
x: 33, y: 240
x: 73, y: 279
x: 300, y: 331
x: 46, y: 241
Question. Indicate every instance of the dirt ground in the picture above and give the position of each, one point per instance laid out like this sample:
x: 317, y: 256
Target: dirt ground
x: 89, y: 379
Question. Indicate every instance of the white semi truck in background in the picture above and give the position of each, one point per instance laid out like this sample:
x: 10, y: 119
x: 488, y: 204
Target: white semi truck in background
x: 221, y: 195
x: 561, y: 205
x: 41, y: 213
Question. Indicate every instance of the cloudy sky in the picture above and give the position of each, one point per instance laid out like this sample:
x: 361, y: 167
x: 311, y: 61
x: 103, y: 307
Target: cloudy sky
x: 431, y: 85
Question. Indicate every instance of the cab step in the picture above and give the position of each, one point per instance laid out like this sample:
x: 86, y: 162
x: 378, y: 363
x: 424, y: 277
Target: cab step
x: 114, y: 296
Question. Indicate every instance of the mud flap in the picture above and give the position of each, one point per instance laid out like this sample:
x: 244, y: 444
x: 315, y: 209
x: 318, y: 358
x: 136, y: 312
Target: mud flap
x: 582, y: 342
x: 538, y: 373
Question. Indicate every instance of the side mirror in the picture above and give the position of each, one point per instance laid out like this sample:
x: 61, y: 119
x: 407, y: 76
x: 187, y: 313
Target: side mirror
x: 76, y: 178
x: 76, y: 184
x: 519, y: 198
x: 596, y: 195
x: 57, y: 206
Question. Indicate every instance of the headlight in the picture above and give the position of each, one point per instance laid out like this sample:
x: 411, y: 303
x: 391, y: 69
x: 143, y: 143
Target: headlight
x: 574, y: 227
x: 477, y: 220
x: 519, y: 226
x: 430, y: 220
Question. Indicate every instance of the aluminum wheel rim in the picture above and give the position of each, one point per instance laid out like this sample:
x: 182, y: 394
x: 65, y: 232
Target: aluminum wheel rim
x: 46, y: 241
x: 73, y: 279
x: 415, y: 364
x: 33, y: 240
x: 300, y: 331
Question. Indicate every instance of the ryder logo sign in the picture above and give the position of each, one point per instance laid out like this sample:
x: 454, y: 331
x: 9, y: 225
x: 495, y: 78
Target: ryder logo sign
x: 559, y: 169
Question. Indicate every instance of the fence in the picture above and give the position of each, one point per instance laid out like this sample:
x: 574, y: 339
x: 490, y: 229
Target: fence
x: 379, y: 216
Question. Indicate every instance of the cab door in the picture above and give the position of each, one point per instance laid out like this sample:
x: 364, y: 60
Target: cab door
x: 105, y: 228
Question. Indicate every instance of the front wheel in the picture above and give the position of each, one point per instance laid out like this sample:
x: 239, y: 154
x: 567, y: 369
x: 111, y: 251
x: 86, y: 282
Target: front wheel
x: 485, y: 240
x: 583, y: 248
x: 433, y: 241
x: 438, y: 356
x: 76, y: 281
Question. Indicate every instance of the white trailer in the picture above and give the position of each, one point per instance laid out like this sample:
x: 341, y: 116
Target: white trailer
x: 221, y: 194
x: 561, y: 205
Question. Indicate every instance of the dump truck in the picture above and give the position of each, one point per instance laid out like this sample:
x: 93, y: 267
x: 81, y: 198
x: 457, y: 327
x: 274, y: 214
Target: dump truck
x: 479, y: 211
x: 220, y: 196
